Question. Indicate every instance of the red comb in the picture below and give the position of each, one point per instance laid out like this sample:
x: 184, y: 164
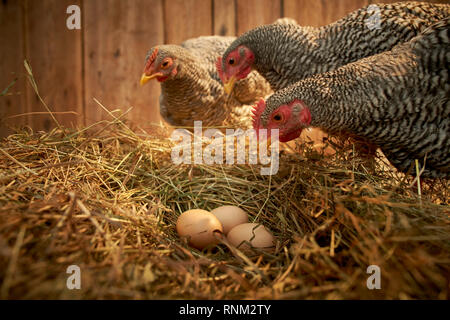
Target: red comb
x: 257, y: 112
x: 219, y: 68
x: 152, y: 58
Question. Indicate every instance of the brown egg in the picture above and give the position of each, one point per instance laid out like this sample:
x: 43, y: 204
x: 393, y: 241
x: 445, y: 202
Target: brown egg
x: 198, y: 226
x: 230, y: 216
x: 254, y: 233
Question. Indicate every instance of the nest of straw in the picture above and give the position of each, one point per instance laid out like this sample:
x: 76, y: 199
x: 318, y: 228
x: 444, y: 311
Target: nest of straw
x: 107, y: 199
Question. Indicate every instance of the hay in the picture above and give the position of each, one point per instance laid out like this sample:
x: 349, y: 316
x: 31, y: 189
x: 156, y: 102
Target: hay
x: 106, y: 198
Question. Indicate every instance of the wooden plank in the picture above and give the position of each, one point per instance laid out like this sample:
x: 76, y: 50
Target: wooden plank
x: 224, y: 18
x: 187, y: 19
x: 306, y: 12
x: 252, y: 13
x: 320, y: 12
x: 11, y: 64
x: 337, y: 9
x: 54, y: 53
x: 117, y: 36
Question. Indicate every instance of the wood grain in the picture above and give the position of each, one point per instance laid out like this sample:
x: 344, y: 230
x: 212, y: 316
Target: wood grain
x: 224, y: 17
x: 306, y: 12
x: 117, y: 36
x: 252, y: 13
x: 54, y: 53
x: 317, y: 13
x: 187, y: 19
x: 337, y: 9
x: 11, y: 66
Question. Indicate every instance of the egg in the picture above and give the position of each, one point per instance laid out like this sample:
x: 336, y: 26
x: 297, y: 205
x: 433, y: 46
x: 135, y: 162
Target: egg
x: 254, y: 233
x: 198, y: 226
x: 230, y: 216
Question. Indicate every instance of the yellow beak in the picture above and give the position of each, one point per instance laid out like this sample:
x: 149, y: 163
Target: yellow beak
x: 228, y: 86
x: 145, y: 78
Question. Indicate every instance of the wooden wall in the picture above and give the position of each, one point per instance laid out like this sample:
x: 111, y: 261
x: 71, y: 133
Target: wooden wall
x: 105, y: 58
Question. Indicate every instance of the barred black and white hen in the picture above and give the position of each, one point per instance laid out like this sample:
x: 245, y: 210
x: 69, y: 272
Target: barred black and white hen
x: 285, y: 53
x: 398, y: 100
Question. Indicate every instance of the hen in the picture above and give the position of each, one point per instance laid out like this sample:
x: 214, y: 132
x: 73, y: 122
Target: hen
x: 297, y: 52
x: 399, y: 100
x: 192, y: 90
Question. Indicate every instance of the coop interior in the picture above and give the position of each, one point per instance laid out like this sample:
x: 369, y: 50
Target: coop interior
x: 87, y: 176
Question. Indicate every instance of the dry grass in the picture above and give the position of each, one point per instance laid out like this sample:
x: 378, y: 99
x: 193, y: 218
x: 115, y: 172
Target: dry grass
x: 107, y: 199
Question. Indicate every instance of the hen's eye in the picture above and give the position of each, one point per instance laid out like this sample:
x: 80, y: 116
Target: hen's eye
x: 166, y: 63
x: 231, y: 61
x: 277, y: 117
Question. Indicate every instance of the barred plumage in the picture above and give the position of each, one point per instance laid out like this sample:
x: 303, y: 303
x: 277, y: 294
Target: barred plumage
x: 286, y: 53
x: 398, y: 100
